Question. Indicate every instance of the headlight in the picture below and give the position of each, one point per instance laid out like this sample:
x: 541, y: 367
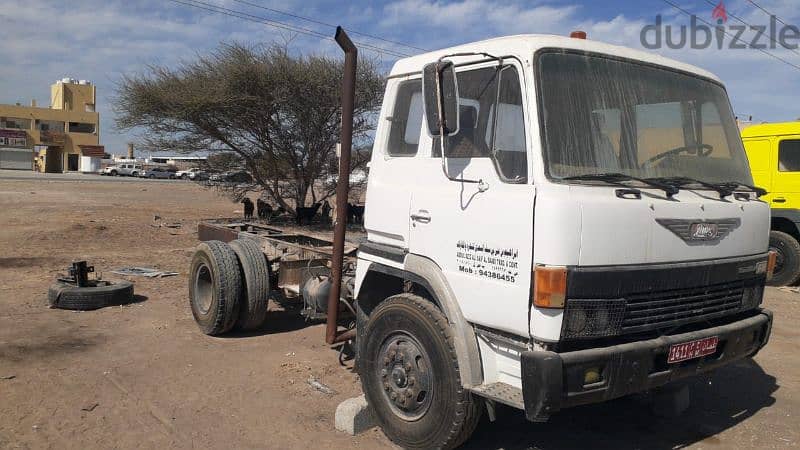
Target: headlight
x: 593, y: 318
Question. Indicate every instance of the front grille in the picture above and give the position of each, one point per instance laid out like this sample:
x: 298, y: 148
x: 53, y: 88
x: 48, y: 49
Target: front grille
x: 659, y: 310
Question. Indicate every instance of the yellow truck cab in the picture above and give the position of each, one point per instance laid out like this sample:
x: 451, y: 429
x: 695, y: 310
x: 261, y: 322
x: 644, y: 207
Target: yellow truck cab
x: 774, y: 153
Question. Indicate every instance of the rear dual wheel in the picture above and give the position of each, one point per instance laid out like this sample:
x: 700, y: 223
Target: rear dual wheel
x: 228, y: 286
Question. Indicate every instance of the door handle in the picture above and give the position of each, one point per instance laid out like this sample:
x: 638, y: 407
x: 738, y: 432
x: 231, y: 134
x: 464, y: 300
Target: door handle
x: 421, y: 216
x: 779, y: 200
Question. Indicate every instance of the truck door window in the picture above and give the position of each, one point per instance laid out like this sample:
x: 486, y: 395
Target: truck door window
x: 478, y: 99
x: 406, y: 120
x: 789, y: 155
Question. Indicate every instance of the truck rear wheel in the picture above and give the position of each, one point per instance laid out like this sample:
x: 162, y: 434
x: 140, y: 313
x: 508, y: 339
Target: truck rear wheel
x: 255, y: 272
x: 410, y: 376
x: 215, y: 286
x: 787, y: 263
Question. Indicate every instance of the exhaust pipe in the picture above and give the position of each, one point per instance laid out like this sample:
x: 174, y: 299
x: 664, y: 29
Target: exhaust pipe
x: 343, y: 185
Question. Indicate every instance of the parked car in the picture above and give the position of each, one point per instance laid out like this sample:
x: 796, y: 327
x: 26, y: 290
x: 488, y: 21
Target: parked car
x: 194, y: 174
x: 127, y: 169
x: 236, y: 176
x: 158, y: 172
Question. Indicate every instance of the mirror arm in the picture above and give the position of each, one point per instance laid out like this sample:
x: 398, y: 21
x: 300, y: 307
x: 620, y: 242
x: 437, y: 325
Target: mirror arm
x: 482, y: 186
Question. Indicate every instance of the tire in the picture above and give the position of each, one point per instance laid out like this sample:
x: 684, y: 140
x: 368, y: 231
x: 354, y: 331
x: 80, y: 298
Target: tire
x: 184, y: 177
x: 215, y: 287
x: 68, y: 296
x: 787, y: 266
x: 114, y: 173
x: 151, y: 176
x: 255, y: 273
x: 437, y: 412
x: 134, y: 174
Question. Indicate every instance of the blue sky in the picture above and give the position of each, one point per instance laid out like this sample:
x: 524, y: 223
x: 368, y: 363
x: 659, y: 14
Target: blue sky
x: 100, y: 40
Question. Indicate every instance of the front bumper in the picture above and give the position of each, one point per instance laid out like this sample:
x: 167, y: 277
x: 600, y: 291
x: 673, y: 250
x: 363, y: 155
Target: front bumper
x: 553, y: 381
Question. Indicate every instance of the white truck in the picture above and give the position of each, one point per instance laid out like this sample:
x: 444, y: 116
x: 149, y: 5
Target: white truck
x: 551, y: 222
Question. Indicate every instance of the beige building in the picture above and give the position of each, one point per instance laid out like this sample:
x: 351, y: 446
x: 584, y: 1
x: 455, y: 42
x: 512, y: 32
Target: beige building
x: 64, y: 137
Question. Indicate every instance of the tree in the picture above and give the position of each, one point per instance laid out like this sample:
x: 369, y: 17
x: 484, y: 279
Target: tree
x: 276, y: 112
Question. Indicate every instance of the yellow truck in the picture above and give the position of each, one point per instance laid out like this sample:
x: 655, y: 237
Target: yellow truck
x: 774, y: 153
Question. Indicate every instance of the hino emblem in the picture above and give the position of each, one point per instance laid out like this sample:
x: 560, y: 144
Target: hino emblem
x: 700, y: 230
x: 704, y: 231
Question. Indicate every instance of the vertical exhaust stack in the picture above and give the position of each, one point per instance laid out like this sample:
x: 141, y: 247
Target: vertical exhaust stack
x: 343, y: 185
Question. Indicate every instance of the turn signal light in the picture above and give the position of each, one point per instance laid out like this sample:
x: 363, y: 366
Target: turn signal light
x: 549, y: 286
x: 773, y: 257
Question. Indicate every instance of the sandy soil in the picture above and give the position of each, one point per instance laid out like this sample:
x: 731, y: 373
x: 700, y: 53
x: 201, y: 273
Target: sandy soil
x: 143, y: 376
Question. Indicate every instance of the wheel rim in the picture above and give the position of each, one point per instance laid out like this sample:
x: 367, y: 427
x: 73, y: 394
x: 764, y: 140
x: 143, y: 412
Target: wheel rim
x: 203, y: 288
x: 405, y: 376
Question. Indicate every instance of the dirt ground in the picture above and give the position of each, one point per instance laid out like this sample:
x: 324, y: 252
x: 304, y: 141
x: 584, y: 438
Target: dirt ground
x: 143, y: 376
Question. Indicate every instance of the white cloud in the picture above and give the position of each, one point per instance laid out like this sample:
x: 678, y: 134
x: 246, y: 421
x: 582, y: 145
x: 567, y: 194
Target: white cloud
x: 758, y: 84
x: 101, y: 39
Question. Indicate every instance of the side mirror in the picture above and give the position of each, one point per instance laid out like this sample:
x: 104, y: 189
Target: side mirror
x: 440, y: 91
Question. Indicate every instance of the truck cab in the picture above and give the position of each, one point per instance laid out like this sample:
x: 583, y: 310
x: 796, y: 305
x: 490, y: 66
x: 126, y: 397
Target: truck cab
x: 774, y: 153
x: 551, y: 222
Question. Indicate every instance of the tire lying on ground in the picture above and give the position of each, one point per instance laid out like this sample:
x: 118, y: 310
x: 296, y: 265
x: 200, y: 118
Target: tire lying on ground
x: 255, y: 275
x: 95, y: 296
x: 787, y: 266
x: 410, y: 376
x: 215, y: 287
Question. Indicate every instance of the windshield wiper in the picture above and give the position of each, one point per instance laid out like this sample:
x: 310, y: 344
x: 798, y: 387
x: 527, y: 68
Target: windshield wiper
x: 724, y: 189
x: 734, y: 185
x: 615, y: 177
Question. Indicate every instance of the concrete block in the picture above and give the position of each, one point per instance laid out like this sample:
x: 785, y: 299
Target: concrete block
x: 354, y: 416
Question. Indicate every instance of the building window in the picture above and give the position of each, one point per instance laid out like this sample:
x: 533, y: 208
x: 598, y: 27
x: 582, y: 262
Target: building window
x: 15, y: 123
x: 77, y: 127
x: 50, y: 125
x: 789, y: 155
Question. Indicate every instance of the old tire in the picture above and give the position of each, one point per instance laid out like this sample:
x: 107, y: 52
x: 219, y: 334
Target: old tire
x: 255, y: 273
x: 417, y: 397
x: 215, y: 286
x: 98, y: 295
x: 787, y: 265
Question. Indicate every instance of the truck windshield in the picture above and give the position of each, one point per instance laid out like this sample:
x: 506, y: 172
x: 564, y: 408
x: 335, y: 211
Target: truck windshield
x: 603, y: 115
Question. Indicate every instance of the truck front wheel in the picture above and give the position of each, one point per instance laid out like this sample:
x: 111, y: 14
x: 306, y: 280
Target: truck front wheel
x: 787, y: 263
x: 410, y: 376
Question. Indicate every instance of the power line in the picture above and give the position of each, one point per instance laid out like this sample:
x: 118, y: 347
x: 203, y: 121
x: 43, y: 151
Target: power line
x: 277, y: 24
x: 767, y: 12
x: 730, y: 35
x: 771, y: 38
x: 318, y: 22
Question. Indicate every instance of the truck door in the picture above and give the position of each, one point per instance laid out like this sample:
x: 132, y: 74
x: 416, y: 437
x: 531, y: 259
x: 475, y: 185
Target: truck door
x: 760, y: 155
x: 481, y: 233
x: 393, y: 164
x: 786, y: 180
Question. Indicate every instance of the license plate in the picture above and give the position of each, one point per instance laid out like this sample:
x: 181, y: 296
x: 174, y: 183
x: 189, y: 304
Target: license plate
x: 693, y: 349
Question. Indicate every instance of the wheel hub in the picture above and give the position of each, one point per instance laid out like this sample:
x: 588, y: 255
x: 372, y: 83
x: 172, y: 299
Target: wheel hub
x: 405, y: 376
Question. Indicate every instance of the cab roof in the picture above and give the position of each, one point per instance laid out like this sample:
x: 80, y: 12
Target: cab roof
x: 525, y: 45
x: 771, y: 129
